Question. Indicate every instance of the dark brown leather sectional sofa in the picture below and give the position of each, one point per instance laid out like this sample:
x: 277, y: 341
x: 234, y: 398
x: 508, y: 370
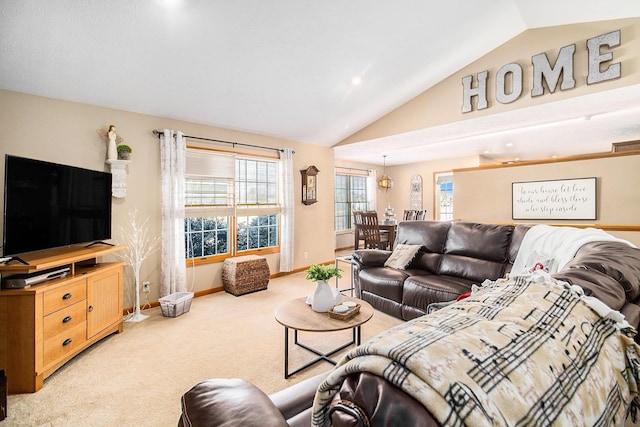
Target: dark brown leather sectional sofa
x: 454, y: 256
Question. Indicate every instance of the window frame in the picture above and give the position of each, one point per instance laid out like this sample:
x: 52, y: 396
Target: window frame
x: 233, y: 210
x: 437, y: 195
x: 350, y: 203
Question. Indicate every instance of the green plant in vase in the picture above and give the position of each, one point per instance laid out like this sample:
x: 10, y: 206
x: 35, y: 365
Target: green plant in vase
x: 323, y: 297
x: 322, y: 272
x: 124, y: 152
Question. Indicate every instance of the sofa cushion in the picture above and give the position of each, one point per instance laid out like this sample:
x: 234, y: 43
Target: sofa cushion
x: 402, y: 256
x: 469, y: 268
x: 430, y: 234
x: 420, y: 291
x: 426, y: 261
x: 482, y: 241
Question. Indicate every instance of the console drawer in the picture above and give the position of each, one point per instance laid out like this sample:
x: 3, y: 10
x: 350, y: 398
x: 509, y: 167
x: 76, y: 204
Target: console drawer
x: 63, y: 320
x: 64, y: 296
x: 63, y: 344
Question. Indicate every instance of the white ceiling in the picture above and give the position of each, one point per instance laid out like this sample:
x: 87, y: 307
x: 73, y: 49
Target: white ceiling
x: 284, y: 68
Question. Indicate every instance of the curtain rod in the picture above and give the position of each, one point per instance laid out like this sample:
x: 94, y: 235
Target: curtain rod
x: 157, y: 133
x: 353, y: 169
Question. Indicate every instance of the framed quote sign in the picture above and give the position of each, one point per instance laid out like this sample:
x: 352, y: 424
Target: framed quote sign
x: 557, y: 199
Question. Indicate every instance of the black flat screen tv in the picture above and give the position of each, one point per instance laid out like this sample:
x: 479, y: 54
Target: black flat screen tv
x: 49, y: 205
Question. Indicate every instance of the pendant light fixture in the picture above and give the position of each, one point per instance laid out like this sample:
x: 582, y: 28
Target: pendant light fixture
x: 385, y: 183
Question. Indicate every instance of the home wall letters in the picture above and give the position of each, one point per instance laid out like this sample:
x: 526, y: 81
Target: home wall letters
x: 509, y: 78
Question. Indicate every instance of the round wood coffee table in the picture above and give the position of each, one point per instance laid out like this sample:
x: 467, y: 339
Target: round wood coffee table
x: 298, y: 315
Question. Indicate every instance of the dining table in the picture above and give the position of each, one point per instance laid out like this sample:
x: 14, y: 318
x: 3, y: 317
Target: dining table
x: 390, y: 228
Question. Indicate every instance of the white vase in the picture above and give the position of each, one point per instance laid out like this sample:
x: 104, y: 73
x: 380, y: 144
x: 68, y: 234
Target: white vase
x: 337, y: 297
x: 323, y: 298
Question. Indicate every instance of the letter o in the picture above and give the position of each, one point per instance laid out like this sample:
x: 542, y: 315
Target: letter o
x: 501, y: 76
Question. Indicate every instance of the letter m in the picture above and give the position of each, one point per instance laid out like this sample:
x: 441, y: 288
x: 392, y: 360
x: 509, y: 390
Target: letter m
x: 542, y: 70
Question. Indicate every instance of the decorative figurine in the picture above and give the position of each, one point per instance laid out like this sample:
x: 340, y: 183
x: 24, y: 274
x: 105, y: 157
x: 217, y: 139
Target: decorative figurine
x: 112, y: 151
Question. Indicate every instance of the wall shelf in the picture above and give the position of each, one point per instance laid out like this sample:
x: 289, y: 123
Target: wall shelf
x: 118, y: 177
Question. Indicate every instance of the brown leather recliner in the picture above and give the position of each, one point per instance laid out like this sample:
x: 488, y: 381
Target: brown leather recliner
x: 231, y: 402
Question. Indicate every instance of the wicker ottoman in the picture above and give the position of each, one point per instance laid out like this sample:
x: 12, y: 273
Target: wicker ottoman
x: 245, y: 274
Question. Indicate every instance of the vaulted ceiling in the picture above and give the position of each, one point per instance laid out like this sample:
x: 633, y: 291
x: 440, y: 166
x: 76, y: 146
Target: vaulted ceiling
x: 282, y: 68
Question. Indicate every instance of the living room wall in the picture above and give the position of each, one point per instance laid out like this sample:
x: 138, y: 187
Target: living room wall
x: 66, y: 132
x: 484, y: 194
x: 441, y: 104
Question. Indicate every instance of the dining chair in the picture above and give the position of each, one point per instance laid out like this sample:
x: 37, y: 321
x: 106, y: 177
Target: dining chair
x: 373, y: 238
x: 357, y: 223
x: 421, y: 214
x: 414, y: 215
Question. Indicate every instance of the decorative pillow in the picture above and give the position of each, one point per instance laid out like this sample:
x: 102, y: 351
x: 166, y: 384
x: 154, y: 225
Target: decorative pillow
x: 542, y: 262
x: 402, y: 256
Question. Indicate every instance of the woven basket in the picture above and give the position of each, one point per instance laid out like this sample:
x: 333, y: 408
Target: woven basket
x: 245, y: 274
x: 345, y: 316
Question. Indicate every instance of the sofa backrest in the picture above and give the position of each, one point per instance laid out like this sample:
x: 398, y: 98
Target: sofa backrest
x: 516, y: 239
x: 614, y: 260
x: 476, y: 251
x: 473, y: 251
x: 431, y: 235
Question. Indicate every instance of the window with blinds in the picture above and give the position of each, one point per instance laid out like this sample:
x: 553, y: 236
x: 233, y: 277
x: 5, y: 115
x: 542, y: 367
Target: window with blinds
x: 231, y: 204
x: 350, y: 196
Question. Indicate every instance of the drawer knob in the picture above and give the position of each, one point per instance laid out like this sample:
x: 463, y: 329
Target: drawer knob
x: 66, y: 342
x: 66, y: 319
x: 67, y: 295
x: 90, y: 308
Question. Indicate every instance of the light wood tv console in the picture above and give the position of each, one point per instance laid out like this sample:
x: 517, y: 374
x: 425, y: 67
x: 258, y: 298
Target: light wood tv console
x: 45, y: 325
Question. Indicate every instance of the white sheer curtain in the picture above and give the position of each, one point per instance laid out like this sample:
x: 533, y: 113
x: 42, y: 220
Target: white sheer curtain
x: 372, y: 187
x: 172, y: 168
x: 287, y: 213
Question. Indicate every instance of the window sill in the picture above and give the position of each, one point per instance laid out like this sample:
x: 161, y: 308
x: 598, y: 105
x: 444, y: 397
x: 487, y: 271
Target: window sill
x: 192, y: 262
x: 347, y: 231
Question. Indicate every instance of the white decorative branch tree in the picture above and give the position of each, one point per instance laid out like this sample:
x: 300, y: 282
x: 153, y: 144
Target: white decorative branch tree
x: 139, y: 247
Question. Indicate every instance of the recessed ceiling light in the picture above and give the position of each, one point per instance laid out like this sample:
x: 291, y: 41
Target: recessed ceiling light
x: 516, y: 159
x: 356, y: 81
x: 487, y: 151
x: 509, y: 144
x: 170, y: 3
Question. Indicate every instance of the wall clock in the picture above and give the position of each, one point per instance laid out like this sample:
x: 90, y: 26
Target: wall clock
x: 309, y: 185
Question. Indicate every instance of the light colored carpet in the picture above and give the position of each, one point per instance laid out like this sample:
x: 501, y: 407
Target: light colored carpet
x: 137, y: 378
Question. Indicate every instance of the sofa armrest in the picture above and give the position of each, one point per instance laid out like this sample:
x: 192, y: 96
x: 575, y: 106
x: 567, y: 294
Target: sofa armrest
x: 370, y: 257
x: 229, y: 403
x: 296, y: 399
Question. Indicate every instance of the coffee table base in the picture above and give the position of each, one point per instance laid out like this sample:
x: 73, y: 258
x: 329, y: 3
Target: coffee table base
x: 322, y: 356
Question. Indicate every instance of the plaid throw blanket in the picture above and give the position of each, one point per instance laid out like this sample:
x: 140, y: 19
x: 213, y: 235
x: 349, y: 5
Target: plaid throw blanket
x: 527, y: 351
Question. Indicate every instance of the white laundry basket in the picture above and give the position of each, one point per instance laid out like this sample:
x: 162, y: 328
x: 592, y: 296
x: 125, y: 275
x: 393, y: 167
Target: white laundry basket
x: 175, y: 304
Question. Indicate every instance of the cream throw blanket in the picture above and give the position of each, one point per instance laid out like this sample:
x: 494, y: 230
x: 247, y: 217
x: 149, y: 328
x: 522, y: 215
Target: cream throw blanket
x: 527, y: 351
